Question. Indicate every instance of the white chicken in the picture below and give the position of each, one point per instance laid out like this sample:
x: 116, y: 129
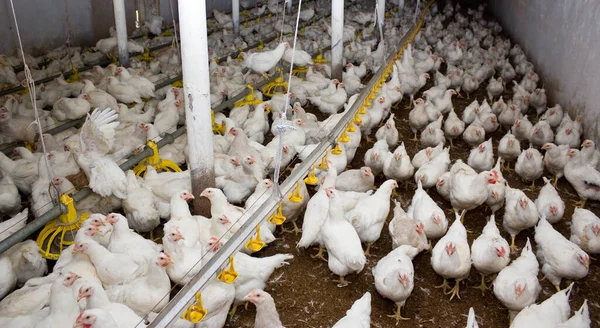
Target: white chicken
x: 404, y: 230
x: 451, y: 256
x: 555, y: 160
x: 431, y: 171
x: 549, y: 203
x: 509, y: 149
x: 517, y: 285
x: 559, y: 257
x: 266, y: 312
x: 424, y: 210
x: 398, y: 166
x: 96, y: 140
x: 341, y: 240
x: 530, y: 165
x: 388, y: 132
x: 520, y: 213
x: 361, y: 180
x: 376, y: 156
x: 550, y: 313
x: 359, y: 315
x: 262, y: 62
x: 489, y: 252
x: 369, y: 214
x: 139, y: 207
x: 585, y: 230
x: 394, y: 277
x: 482, y: 157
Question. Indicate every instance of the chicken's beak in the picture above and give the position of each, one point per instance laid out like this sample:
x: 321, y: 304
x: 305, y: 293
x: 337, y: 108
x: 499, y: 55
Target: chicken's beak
x: 495, y: 195
x: 404, y: 280
x: 80, y: 296
x: 553, y: 209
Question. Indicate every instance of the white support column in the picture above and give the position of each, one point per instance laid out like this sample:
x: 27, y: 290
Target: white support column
x: 400, y: 5
x: 289, y: 7
x: 235, y: 10
x: 121, y: 27
x: 380, y: 17
x: 140, y: 6
x: 337, y: 36
x: 196, y: 88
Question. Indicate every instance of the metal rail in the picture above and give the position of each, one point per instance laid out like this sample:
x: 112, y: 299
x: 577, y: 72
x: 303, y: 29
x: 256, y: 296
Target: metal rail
x: 267, y: 203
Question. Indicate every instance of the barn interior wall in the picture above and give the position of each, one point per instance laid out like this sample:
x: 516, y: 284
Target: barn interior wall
x: 43, y: 23
x: 562, y: 40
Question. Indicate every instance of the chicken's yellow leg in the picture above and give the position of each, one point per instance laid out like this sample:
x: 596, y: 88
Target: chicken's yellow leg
x: 397, y: 314
x: 513, y: 247
x: 319, y: 255
x: 444, y: 285
x: 368, y: 251
x: 482, y: 286
x: 455, y: 290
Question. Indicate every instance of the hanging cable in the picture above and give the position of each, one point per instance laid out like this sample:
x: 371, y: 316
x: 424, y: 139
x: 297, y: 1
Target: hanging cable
x: 282, y: 128
x: 175, y: 38
x: 32, y: 96
x: 68, y: 28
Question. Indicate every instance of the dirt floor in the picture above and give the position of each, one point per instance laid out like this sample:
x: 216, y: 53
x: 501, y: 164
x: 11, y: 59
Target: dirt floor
x: 306, y: 295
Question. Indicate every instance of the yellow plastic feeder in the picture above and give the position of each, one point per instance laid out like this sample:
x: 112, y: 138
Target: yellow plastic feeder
x: 217, y: 127
x: 323, y: 164
x: 167, y: 32
x: 296, y: 197
x: 357, y: 119
x: 229, y: 275
x: 74, y: 77
x: 146, y: 55
x: 319, y: 59
x: 344, y: 137
x: 337, y: 150
x: 196, y: 312
x: 311, y: 179
x: 272, y: 88
x: 277, y: 218
x: 350, y: 128
x: 28, y: 145
x: 260, y: 46
x: 177, y: 84
x: 156, y: 162
x: 59, y: 233
x: 250, y: 99
x: 255, y: 244
x: 362, y: 110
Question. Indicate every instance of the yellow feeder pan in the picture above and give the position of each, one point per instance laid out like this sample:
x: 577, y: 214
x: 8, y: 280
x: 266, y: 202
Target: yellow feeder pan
x: 260, y: 46
x: 74, y: 77
x: 156, y: 162
x: 362, y: 110
x: 311, y: 179
x: 337, y: 150
x: 28, y: 145
x: 299, y: 70
x: 229, y: 275
x: 249, y: 100
x: 319, y: 59
x: 271, y: 88
x: 255, y: 244
x: 59, y: 233
x: 196, y: 312
x: 357, y: 119
x: 216, y: 127
x: 24, y: 91
x: 350, y: 128
x: 167, y: 32
x: 177, y: 84
x: 277, y: 218
x: 146, y: 55
x: 295, y: 197
x: 344, y: 138
x: 323, y: 164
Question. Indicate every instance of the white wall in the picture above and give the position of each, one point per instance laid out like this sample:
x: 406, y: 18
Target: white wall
x: 562, y: 40
x: 43, y: 22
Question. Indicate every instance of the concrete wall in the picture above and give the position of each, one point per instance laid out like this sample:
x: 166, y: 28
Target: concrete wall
x: 562, y: 40
x: 43, y: 22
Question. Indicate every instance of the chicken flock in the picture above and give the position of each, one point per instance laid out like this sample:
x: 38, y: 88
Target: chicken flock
x: 113, y: 277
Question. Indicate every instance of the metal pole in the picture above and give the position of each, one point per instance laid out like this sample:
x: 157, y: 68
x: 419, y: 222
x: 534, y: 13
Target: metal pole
x: 140, y: 6
x: 380, y: 17
x: 235, y: 9
x: 121, y: 26
x: 289, y: 6
x: 337, y: 35
x: 196, y: 86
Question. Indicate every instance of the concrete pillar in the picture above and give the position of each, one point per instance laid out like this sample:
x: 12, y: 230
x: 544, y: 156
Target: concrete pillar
x: 337, y: 36
x: 121, y: 27
x: 235, y: 10
x: 380, y: 17
x: 196, y: 88
x: 289, y: 6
